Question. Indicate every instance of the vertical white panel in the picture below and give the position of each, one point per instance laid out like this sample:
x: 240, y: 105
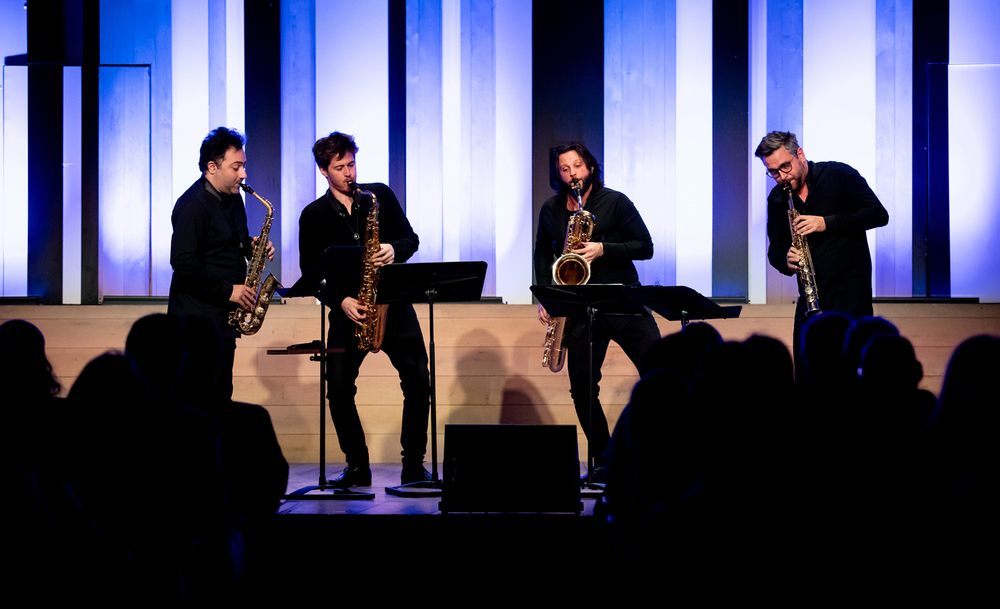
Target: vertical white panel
x: 694, y: 145
x: 973, y: 26
x: 13, y: 152
x: 894, y: 146
x: 640, y: 121
x: 513, y: 150
x: 235, y: 74
x: 452, y: 198
x: 759, y: 183
x: 838, y: 82
x: 71, y: 175
x: 189, y: 77
x: 424, y: 128
x: 123, y: 193
x: 298, y: 126
x: 973, y: 134
x: 479, y: 76
x: 14, y: 228
x: 352, y: 81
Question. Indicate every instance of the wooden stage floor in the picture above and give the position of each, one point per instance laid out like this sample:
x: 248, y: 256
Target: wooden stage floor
x: 383, y: 474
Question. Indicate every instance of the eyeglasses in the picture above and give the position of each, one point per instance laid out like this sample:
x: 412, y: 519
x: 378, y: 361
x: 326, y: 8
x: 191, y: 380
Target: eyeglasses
x: 776, y: 173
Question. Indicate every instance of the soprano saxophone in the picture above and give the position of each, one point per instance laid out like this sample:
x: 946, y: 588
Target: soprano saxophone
x: 249, y: 319
x: 806, y: 271
x: 569, y: 269
x: 372, y: 329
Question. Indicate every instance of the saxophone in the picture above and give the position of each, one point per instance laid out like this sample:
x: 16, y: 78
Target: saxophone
x: 569, y: 269
x: 249, y: 319
x: 372, y: 329
x: 806, y: 271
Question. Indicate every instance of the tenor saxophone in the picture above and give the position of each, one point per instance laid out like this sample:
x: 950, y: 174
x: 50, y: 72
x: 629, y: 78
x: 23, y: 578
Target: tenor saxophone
x: 806, y: 271
x: 569, y: 269
x: 249, y: 319
x: 372, y: 329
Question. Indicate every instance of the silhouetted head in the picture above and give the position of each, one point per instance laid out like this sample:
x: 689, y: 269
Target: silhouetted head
x: 27, y: 369
x: 155, y: 343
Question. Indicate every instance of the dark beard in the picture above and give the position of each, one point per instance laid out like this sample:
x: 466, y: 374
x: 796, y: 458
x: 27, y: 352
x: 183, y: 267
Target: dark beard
x: 584, y: 185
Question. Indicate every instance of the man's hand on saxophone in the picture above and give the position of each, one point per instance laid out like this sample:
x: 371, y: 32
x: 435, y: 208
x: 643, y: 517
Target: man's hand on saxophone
x: 354, y: 310
x: 242, y: 295
x: 810, y: 224
x: 590, y: 251
x: 543, y: 315
x: 270, y: 248
x: 386, y: 255
x: 793, y: 257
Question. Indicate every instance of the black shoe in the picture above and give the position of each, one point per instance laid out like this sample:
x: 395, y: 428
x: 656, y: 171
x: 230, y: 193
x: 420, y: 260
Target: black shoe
x: 414, y: 473
x: 353, y: 476
x: 600, y: 476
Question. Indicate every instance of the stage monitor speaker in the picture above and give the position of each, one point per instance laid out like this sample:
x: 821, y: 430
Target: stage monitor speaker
x: 511, y: 468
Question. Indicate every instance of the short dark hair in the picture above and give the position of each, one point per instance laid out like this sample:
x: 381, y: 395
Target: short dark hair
x: 217, y: 143
x: 770, y: 143
x: 556, y: 182
x: 332, y: 147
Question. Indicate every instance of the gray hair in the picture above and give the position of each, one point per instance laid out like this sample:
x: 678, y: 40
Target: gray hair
x: 774, y: 140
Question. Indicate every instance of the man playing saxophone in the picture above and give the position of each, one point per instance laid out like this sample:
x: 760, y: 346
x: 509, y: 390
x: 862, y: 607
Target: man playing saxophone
x: 211, y: 245
x: 835, y: 207
x: 619, y: 237
x: 339, y: 218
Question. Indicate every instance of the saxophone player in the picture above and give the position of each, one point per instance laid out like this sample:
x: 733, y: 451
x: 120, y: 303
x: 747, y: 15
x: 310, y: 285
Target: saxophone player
x: 619, y: 237
x: 836, y: 206
x: 338, y: 218
x: 210, y: 245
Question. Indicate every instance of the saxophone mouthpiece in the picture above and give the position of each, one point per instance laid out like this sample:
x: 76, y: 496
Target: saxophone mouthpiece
x: 246, y: 188
x: 352, y: 185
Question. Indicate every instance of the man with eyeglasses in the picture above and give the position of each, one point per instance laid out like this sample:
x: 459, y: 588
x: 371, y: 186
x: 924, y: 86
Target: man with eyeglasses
x: 836, y: 206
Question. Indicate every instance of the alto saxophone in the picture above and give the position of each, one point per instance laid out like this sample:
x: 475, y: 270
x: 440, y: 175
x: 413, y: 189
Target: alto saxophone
x: 249, y: 319
x: 806, y: 271
x: 569, y: 269
x: 372, y: 329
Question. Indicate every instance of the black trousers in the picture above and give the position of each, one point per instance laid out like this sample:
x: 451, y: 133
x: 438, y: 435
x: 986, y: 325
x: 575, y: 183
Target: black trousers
x: 226, y: 367
x: 634, y: 334
x: 404, y: 344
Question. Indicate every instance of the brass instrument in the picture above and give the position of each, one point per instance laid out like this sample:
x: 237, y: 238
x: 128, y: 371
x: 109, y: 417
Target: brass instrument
x: 249, y: 319
x: 372, y: 329
x: 569, y: 269
x: 806, y: 271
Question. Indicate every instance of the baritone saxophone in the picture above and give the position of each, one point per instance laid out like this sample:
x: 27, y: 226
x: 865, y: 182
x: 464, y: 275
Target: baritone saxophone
x: 569, y: 269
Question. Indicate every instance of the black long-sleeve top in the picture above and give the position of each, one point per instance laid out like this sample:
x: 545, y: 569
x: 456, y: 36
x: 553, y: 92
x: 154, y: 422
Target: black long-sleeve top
x: 325, y: 223
x: 209, y: 250
x: 617, y: 224
x: 840, y: 254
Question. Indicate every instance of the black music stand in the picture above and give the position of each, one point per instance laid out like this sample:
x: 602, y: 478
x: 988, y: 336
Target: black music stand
x: 574, y: 301
x: 672, y: 302
x: 681, y: 303
x: 335, y: 266
x: 429, y: 282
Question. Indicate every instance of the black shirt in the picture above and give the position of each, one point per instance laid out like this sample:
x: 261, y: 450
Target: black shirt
x: 209, y: 249
x: 617, y: 224
x: 325, y: 222
x: 840, y: 254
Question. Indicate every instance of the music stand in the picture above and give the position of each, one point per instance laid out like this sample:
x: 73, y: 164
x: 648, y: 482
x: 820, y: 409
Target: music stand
x: 335, y: 266
x: 672, y: 302
x: 429, y: 282
x: 574, y: 301
x: 681, y: 303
